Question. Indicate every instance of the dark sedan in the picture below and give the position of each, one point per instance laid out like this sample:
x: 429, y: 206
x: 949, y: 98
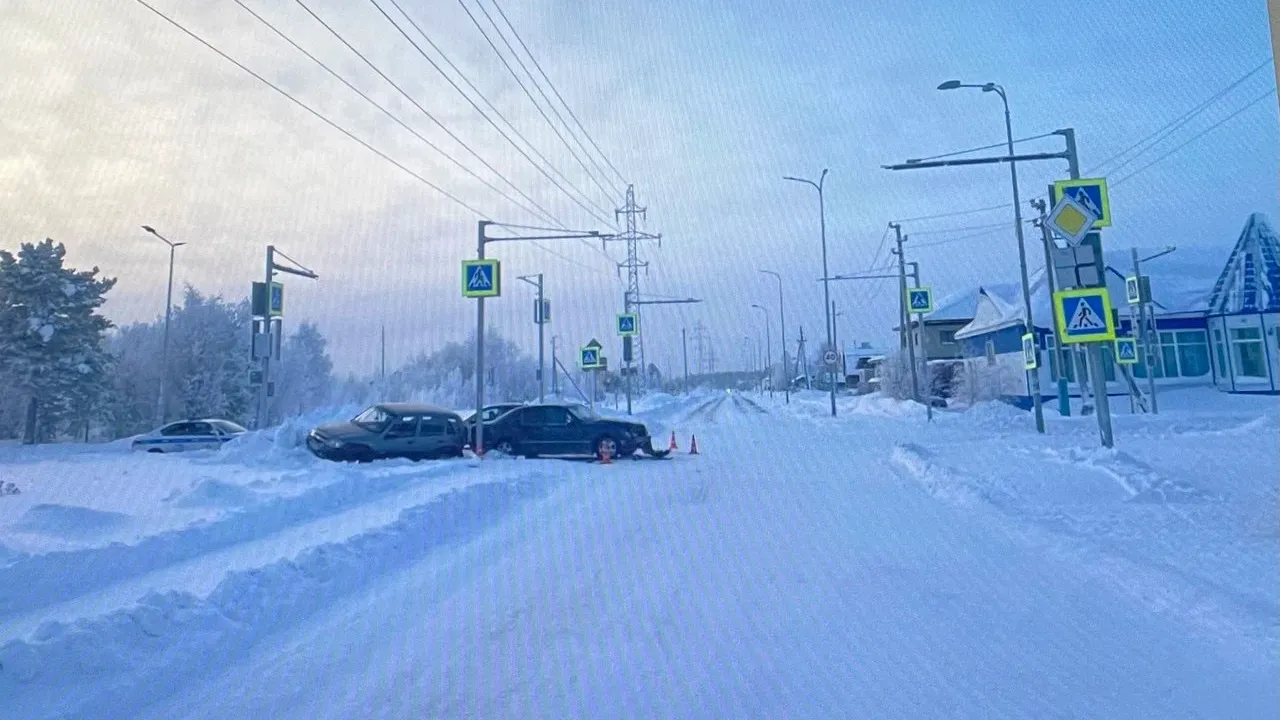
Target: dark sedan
x: 387, y: 430
x: 555, y: 429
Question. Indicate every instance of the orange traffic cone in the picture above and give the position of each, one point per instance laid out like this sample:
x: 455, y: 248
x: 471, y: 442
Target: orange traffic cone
x: 693, y: 444
x: 672, y: 446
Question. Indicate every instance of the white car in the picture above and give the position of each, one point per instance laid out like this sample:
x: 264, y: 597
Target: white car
x: 186, y: 435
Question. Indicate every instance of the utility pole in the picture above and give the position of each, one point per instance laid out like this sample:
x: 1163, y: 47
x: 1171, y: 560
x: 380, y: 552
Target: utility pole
x: 802, y: 358
x: 684, y: 346
x: 540, y: 319
x: 555, y: 392
x: 837, y: 371
x: 902, y: 304
x: 782, y: 317
x: 382, y: 368
x: 633, y: 264
x: 826, y: 287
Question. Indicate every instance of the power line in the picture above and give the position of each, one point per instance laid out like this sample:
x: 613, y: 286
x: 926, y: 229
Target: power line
x: 525, y: 89
x: 311, y: 110
x: 947, y: 231
x: 557, y: 93
x: 422, y: 109
x: 1173, y: 125
x: 488, y: 103
x: 538, y: 85
x: 397, y: 120
x: 1178, y: 122
x: 597, y: 213
x: 1199, y: 135
x: 338, y: 127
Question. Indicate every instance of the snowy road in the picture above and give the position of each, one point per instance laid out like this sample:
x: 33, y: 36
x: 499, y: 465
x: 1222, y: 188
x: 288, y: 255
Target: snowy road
x: 870, y: 567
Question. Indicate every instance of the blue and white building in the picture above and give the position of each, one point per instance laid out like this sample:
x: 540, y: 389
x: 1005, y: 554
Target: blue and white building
x: 1244, y: 310
x: 1215, y: 310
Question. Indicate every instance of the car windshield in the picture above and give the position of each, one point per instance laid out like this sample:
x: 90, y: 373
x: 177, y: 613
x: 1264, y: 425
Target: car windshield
x: 375, y: 419
x: 582, y: 412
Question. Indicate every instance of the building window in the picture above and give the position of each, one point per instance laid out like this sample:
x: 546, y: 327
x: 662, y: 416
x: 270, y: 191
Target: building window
x: 1182, y: 353
x: 1246, y: 346
x: 1192, y: 353
x: 947, y: 337
x: 991, y: 353
x: 1221, y: 350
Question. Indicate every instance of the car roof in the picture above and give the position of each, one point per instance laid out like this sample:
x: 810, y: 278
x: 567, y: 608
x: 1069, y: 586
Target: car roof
x: 408, y: 408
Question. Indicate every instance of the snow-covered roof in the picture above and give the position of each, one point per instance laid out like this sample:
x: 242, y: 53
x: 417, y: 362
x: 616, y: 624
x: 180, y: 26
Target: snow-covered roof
x: 958, y: 306
x: 1181, y: 283
x: 1250, y: 281
x: 1000, y: 306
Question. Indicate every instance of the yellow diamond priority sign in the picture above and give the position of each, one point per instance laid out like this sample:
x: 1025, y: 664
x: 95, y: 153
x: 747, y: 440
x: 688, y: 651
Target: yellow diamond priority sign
x: 1071, y: 220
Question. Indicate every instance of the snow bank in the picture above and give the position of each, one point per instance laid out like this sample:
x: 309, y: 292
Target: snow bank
x: 175, y: 634
x: 1139, y: 480
x: 34, y: 581
x: 940, y: 481
x: 286, y: 441
x: 68, y: 521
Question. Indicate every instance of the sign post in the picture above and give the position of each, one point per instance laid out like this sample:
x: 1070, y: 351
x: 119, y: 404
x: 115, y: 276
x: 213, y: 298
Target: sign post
x: 1084, y: 315
x: 628, y: 327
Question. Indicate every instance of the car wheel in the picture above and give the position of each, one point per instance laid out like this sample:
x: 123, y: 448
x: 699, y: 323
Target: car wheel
x: 360, y: 454
x: 505, y: 447
x: 607, y: 445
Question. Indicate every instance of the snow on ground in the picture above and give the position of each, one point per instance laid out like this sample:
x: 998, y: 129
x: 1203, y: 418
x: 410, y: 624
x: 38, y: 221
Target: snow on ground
x: 875, y: 565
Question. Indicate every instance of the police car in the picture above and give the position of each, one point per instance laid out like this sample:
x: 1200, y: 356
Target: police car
x: 186, y: 435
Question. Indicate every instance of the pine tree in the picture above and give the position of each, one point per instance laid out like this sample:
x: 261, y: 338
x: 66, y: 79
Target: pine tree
x: 52, y: 347
x: 304, y: 380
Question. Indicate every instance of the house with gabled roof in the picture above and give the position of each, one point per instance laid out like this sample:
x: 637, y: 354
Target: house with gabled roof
x: 1243, y: 311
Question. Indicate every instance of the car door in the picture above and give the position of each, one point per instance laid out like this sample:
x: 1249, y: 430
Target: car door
x: 559, y: 432
x: 400, y: 439
x: 202, y: 436
x: 171, y: 438
x: 433, y: 437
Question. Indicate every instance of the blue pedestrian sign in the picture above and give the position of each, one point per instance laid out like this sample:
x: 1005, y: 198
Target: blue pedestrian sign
x: 276, y: 300
x: 628, y: 324
x: 589, y: 358
x: 1126, y: 351
x: 481, y: 278
x: 920, y: 300
x: 1089, y: 192
x: 1084, y: 315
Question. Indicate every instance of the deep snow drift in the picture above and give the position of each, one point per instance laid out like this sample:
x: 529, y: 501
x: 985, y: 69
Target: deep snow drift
x: 875, y: 565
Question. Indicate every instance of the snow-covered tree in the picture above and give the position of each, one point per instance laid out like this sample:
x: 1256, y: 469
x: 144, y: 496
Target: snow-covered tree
x: 52, y: 349
x: 304, y: 376
x: 209, y: 358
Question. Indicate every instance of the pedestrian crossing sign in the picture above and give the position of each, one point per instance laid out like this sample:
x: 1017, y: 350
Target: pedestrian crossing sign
x: 920, y: 300
x: 628, y: 324
x: 1126, y: 351
x: 589, y: 358
x: 1030, y: 359
x: 1084, y: 315
x: 1088, y: 192
x: 481, y: 279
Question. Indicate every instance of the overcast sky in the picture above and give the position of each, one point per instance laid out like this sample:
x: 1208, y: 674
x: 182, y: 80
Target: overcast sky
x: 111, y: 118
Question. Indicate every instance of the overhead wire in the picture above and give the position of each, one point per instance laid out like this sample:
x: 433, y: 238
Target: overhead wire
x: 1000, y: 144
x: 556, y: 92
x: 595, y: 210
x: 1197, y: 136
x: 480, y: 94
x: 539, y: 211
x: 1159, y: 134
x: 337, y: 35
x: 462, y: 203
x: 1163, y: 132
x: 516, y: 76
x: 538, y: 86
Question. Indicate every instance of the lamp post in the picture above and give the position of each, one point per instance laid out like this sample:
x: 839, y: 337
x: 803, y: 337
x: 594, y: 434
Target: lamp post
x: 768, y: 343
x: 1033, y: 376
x: 826, y: 288
x: 161, y: 403
x: 782, y: 318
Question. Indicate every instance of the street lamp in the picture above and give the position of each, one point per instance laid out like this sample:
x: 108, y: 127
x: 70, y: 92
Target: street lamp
x: 1033, y: 376
x: 826, y: 288
x: 168, y: 311
x: 782, y: 317
x: 768, y: 342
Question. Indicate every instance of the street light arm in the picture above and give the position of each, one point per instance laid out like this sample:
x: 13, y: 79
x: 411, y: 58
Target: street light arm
x: 815, y: 185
